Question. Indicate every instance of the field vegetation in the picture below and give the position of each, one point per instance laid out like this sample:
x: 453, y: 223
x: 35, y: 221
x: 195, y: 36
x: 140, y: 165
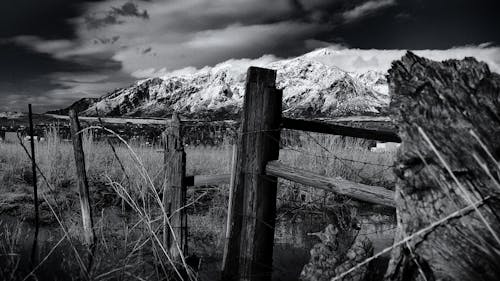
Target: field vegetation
x: 124, y: 188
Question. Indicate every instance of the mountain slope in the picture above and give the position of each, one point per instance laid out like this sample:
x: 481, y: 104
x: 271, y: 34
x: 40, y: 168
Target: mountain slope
x: 310, y: 89
x: 79, y: 105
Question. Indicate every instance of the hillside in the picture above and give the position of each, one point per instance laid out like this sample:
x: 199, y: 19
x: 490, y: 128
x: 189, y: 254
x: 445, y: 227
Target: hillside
x: 310, y: 88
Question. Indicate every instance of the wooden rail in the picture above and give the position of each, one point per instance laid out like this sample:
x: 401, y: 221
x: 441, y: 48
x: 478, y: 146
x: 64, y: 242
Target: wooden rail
x: 133, y: 120
x: 327, y: 128
x: 358, y: 191
x: 117, y: 120
x: 201, y: 180
x: 362, y: 192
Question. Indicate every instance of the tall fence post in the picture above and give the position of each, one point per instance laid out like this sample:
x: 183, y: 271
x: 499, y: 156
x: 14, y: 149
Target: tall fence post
x: 249, y: 250
x: 174, y: 192
x: 83, y: 185
x: 35, y: 186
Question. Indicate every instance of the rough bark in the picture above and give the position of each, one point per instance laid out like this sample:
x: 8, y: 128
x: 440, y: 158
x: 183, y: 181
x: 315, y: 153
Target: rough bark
x: 446, y: 100
x: 249, y: 249
x: 334, y: 255
x: 174, y: 193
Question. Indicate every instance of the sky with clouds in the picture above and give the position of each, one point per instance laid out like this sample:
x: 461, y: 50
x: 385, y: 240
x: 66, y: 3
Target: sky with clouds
x: 53, y: 52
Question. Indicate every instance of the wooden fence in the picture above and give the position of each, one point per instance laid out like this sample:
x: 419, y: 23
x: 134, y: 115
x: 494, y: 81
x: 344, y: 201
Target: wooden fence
x: 249, y: 243
x: 248, y: 249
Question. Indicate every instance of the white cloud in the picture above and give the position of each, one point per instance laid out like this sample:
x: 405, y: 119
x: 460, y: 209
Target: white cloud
x: 209, y: 47
x: 234, y: 65
x: 74, y: 86
x: 78, y: 77
x: 149, y: 72
x: 366, y: 9
x: 183, y: 36
x: 182, y: 33
x: 361, y: 60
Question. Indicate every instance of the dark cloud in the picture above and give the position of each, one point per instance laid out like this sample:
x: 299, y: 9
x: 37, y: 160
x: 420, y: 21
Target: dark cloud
x: 60, y: 49
x: 115, y: 15
x: 111, y: 40
x: 47, y: 18
x: 130, y: 9
x: 417, y: 24
x: 93, y: 22
x: 31, y: 79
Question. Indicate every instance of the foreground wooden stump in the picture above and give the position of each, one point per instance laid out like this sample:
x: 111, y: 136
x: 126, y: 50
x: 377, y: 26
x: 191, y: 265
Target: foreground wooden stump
x: 447, y: 101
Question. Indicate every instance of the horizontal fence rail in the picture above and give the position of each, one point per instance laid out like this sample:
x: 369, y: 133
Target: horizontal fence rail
x: 118, y: 120
x: 360, y: 118
x: 327, y: 128
x: 362, y: 192
x: 135, y: 120
x: 201, y: 180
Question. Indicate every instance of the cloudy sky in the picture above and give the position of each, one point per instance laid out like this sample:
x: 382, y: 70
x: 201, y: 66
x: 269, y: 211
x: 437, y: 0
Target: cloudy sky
x: 53, y: 52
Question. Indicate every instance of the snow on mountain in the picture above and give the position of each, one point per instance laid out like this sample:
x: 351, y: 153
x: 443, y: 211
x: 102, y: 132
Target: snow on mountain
x: 11, y: 115
x: 375, y: 80
x: 310, y: 88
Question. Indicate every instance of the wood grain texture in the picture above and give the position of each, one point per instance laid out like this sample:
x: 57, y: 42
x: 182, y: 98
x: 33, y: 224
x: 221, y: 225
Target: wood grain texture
x: 174, y: 193
x: 446, y: 100
x: 82, y: 182
x: 333, y: 129
x: 250, y: 244
x: 358, y: 191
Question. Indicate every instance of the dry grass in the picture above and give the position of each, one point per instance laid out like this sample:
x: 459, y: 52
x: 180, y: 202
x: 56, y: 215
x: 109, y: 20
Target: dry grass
x: 142, y: 177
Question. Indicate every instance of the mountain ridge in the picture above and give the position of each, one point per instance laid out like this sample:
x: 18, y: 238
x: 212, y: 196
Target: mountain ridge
x: 310, y: 89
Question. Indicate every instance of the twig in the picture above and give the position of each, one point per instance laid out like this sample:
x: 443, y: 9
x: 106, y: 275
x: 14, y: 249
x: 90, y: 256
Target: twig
x: 460, y: 186
x: 422, y: 231
x: 415, y: 259
x: 80, y: 261
x: 483, y: 146
x: 189, y: 204
x: 156, y: 196
x: 45, y: 258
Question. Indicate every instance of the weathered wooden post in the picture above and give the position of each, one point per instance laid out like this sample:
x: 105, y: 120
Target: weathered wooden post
x: 83, y: 185
x: 234, y: 158
x: 174, y: 192
x: 35, y: 187
x: 249, y: 250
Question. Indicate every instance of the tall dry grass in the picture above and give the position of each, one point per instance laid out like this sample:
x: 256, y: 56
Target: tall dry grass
x: 141, y: 177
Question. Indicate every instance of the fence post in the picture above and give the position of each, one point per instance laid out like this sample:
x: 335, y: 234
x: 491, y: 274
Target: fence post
x: 35, y: 186
x: 174, y: 192
x: 249, y: 250
x: 83, y: 185
x: 230, y: 200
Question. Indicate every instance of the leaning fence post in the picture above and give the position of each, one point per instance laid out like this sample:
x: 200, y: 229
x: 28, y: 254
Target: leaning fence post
x: 249, y: 249
x: 230, y: 201
x: 83, y: 185
x: 174, y: 192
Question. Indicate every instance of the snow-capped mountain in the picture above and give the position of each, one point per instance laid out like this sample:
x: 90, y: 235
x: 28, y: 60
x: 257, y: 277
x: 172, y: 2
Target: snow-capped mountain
x: 310, y: 88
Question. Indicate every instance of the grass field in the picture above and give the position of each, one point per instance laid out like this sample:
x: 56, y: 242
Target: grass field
x: 126, y: 236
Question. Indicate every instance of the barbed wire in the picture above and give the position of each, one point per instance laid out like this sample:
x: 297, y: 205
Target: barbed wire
x: 330, y: 154
x: 345, y: 161
x: 341, y: 158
